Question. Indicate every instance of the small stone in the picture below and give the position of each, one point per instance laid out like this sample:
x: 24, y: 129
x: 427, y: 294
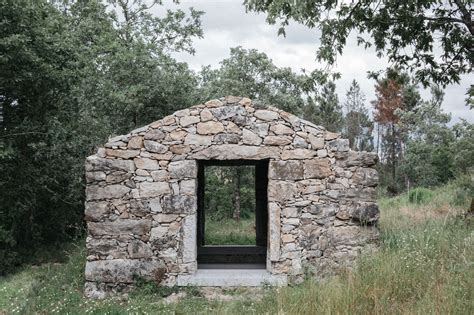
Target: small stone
x: 162, y: 157
x: 210, y: 127
x: 101, y: 152
x: 340, y: 145
x: 168, y: 120
x: 292, y: 170
x: 297, y: 154
x: 299, y: 142
x: 343, y: 215
x: 155, y: 134
x: 183, y: 169
x: 121, y: 138
x: 248, y: 137
x: 316, y: 143
x: 116, y: 145
x: 154, y: 205
x: 261, y: 129
x: 119, y: 227
x: 156, y: 124
x: 331, y: 135
x: 178, y: 135
x: 276, y: 140
x: 280, y: 129
x: 317, y: 168
x: 141, y: 172
x: 94, y: 192
x: 226, y: 112
x: 314, y: 188
x: 322, y: 153
x: 321, y: 211
x: 117, y: 177
x: 315, y: 130
x: 182, y: 112
x: 213, y: 103
x: 165, y: 218
x: 94, y: 163
x: 366, y: 176
x: 158, y: 233
x: 153, y: 189
x: 198, y: 140
x: 146, y: 164
x: 153, y: 146
x: 121, y: 270
x: 187, y: 187
x: 266, y: 115
x: 175, y: 188
x: 233, y: 128
x: 180, y: 149
x: 287, y: 238
x: 94, y: 211
x: 179, y: 204
x: 232, y: 99
x: 123, y: 154
x: 245, y: 101
x: 95, y: 176
x: 292, y: 119
x: 139, y: 130
x: 290, y: 212
x: 188, y: 120
x: 138, y: 249
x: 227, y: 138
x: 206, y: 115
x: 281, y: 190
x: 135, y: 143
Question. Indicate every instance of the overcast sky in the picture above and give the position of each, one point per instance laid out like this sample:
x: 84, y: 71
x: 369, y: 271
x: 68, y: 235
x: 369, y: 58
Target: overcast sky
x: 226, y: 24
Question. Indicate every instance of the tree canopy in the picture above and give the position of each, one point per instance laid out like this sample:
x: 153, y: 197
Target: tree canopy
x: 251, y: 73
x: 432, y: 38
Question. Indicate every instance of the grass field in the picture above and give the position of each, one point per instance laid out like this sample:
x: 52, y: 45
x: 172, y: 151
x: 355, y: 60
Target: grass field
x: 230, y: 231
x: 425, y: 265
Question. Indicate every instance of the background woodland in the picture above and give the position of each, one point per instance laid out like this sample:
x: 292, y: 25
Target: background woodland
x: 73, y: 73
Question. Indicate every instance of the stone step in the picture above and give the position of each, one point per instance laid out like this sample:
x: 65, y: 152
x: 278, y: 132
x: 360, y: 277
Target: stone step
x: 232, y: 278
x: 232, y: 266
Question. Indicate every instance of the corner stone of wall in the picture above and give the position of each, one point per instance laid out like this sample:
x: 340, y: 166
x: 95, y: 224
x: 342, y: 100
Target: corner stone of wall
x: 141, y: 198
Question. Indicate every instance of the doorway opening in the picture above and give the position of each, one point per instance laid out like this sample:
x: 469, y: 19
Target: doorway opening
x: 232, y: 221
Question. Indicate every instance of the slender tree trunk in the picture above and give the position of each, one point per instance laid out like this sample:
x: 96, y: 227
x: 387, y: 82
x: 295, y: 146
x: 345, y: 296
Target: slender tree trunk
x: 237, y: 175
x: 394, y: 155
x: 378, y: 137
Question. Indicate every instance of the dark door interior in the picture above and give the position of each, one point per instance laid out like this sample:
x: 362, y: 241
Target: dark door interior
x: 235, y: 254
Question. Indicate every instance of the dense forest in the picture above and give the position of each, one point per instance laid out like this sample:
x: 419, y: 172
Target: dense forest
x: 73, y: 73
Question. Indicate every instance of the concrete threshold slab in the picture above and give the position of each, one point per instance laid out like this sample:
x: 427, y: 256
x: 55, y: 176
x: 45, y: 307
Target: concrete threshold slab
x: 232, y: 266
x: 231, y: 278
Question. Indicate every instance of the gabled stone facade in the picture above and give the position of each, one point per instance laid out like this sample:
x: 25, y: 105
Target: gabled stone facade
x: 141, y: 194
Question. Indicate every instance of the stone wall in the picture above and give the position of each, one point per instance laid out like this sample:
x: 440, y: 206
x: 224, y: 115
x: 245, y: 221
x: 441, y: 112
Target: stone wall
x: 141, y: 194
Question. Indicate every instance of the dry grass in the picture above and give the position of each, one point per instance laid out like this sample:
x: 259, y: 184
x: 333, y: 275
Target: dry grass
x: 425, y: 265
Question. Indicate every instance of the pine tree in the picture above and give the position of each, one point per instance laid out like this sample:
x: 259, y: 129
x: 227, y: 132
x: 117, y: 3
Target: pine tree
x: 358, y: 125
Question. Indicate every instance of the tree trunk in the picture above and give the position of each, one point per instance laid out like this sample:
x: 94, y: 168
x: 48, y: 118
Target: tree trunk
x: 394, y: 156
x: 236, y: 197
x: 378, y: 137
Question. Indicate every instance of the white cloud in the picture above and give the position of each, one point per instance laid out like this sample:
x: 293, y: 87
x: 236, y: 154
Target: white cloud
x: 226, y: 25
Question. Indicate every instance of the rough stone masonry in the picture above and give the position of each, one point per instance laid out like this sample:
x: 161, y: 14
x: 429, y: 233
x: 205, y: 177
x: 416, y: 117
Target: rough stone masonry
x: 141, y: 194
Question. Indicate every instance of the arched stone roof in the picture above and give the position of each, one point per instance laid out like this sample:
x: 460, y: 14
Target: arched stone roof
x: 235, y: 129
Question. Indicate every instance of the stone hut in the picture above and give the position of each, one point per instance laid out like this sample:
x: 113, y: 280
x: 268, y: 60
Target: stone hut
x: 315, y: 198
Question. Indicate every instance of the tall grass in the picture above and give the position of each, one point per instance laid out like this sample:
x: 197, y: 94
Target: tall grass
x: 230, y: 232
x: 425, y: 265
